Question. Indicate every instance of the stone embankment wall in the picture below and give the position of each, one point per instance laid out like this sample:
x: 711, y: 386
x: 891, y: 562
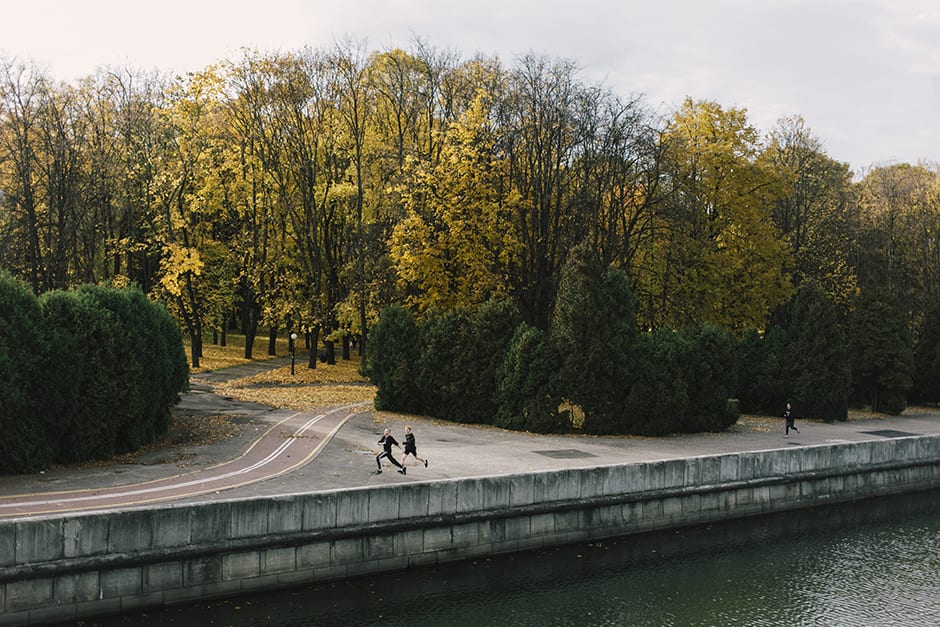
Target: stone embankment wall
x: 75, y: 566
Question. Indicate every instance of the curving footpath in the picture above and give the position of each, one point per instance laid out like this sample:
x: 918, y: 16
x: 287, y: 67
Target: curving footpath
x: 283, y: 448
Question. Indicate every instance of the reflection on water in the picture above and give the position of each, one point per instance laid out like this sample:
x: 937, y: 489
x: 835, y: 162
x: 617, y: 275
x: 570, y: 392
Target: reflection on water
x: 872, y: 562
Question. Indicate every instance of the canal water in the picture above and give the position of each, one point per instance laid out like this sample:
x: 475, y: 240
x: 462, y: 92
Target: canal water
x: 873, y: 562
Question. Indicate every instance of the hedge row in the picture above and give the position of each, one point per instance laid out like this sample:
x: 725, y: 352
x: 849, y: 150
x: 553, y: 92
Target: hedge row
x: 84, y: 374
x: 593, y: 371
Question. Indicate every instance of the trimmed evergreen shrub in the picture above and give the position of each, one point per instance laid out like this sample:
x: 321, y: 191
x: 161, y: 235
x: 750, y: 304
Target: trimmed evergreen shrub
x: 658, y: 397
x: 436, y: 368
x: 927, y: 359
x: 711, y: 379
x: 484, y: 334
x: 594, y: 324
x: 816, y: 357
x: 527, y: 397
x: 147, y: 375
x: 391, y: 361
x: 25, y: 386
x: 881, y: 353
x: 83, y: 354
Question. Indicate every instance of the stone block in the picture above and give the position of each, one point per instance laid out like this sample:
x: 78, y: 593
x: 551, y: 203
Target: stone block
x: 315, y: 555
x: 521, y: 490
x: 285, y: 514
x: 241, y: 565
x: 162, y: 576
x: 409, y: 542
x: 568, y: 484
x: 130, y: 531
x: 120, y: 582
x: 210, y: 522
x: 352, y: 508
x: 172, y: 527
x: 469, y: 535
x: 383, y: 505
x: 347, y: 551
x: 471, y: 496
x: 673, y: 507
x: 250, y: 518
x: 674, y: 473
x: 30, y: 594
x: 545, y: 487
x: 201, y: 571
x: 727, y: 502
x: 76, y: 588
x: 7, y: 544
x: 378, y: 547
x: 413, y: 501
x: 85, y: 535
x: 656, y: 475
x: 278, y: 560
x: 592, y: 482
x: 497, y: 492
x: 711, y: 469
x: 567, y: 521
x: 683, y: 472
x: 639, y: 477
x: 728, y: 468
x: 320, y: 511
x: 542, y: 524
x: 438, y: 539
x: 38, y: 540
x: 619, y: 480
x: 442, y: 498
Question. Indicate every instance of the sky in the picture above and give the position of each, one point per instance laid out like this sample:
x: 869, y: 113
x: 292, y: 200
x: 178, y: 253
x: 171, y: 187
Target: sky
x: 863, y: 74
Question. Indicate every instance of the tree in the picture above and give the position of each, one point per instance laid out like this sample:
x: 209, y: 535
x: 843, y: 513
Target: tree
x: 594, y: 325
x: 457, y: 243
x: 881, y: 353
x: 760, y: 374
x: 720, y: 258
x: 817, y: 363
x: 710, y: 378
x: 812, y: 210
x: 927, y: 359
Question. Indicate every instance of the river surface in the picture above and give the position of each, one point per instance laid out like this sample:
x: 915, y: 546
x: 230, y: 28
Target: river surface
x: 874, y: 562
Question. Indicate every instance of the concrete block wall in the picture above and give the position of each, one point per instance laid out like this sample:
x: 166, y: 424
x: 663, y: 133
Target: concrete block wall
x: 67, y: 567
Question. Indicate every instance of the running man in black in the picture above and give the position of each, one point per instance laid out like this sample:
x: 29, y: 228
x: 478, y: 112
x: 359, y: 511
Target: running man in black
x: 790, y: 418
x: 387, y: 441
x: 410, y: 448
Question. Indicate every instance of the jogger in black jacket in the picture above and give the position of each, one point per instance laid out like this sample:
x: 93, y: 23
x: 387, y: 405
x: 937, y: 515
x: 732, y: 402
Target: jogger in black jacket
x: 387, y: 441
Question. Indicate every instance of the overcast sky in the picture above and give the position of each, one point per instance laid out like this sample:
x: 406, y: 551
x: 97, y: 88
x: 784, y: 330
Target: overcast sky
x: 864, y: 74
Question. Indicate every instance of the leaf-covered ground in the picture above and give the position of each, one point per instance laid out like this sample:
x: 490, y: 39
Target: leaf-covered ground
x: 306, y: 389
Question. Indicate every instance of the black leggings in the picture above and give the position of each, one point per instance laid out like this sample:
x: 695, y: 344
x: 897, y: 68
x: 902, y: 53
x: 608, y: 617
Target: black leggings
x: 388, y: 454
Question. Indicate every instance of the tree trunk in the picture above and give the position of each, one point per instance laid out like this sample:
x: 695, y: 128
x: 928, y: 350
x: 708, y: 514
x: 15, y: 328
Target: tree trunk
x: 314, y: 343
x: 272, y: 341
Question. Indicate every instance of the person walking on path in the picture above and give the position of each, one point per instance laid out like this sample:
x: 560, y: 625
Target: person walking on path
x: 410, y: 448
x: 387, y: 441
x: 789, y: 417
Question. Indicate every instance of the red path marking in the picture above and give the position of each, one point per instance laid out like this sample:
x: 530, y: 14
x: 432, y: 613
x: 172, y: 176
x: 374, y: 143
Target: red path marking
x: 284, y: 447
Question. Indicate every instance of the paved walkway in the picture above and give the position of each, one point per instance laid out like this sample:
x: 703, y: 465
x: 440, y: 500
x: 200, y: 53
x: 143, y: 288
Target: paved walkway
x: 280, y: 452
